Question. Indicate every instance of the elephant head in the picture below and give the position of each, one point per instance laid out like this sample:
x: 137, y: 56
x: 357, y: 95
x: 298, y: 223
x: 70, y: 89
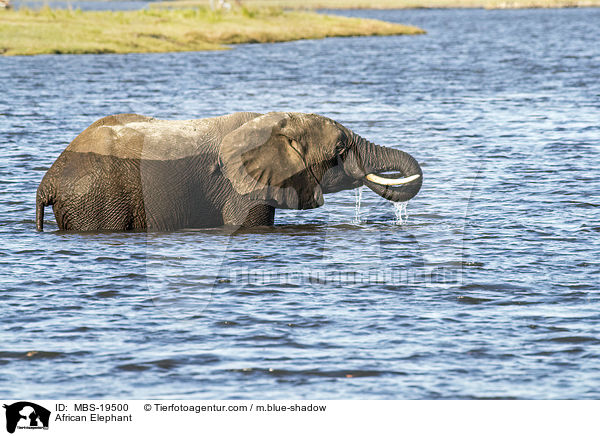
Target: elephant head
x: 289, y: 160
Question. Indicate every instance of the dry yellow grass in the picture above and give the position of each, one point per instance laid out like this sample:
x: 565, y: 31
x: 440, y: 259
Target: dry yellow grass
x: 27, y: 32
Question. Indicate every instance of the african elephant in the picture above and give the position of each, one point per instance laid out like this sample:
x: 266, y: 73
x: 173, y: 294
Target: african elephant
x: 131, y: 172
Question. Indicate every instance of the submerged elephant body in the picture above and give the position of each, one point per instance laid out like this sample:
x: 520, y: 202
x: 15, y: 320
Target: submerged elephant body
x: 131, y: 172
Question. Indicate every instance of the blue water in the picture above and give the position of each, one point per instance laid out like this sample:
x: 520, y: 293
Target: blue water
x: 490, y: 288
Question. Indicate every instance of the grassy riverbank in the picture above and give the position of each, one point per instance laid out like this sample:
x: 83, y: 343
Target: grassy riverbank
x: 27, y: 32
x: 399, y: 4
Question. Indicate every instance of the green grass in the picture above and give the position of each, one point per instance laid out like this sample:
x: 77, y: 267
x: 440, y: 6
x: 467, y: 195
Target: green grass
x: 47, y: 31
x: 397, y: 4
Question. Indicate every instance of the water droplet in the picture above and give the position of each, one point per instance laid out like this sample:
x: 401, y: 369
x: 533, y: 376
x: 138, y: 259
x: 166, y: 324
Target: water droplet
x: 358, y: 193
x: 401, y: 212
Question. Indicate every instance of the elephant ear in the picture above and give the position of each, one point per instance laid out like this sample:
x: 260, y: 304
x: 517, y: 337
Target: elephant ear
x: 264, y: 163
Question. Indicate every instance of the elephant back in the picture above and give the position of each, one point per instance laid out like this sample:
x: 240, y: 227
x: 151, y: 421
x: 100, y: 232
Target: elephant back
x: 132, y: 136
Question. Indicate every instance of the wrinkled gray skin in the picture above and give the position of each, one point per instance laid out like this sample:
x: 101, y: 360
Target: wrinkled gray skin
x: 130, y: 172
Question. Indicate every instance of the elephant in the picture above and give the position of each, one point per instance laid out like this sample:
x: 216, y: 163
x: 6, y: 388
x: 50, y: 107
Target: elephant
x: 133, y: 172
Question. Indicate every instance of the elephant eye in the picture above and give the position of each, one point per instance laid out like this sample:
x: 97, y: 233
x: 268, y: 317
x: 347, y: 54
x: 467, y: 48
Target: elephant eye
x: 286, y: 139
x: 294, y: 145
x: 341, y: 150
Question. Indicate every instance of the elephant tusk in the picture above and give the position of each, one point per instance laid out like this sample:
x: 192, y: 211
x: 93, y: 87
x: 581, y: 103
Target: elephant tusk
x: 388, y: 182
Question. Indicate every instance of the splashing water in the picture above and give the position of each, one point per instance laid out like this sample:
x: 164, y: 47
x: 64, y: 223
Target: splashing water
x: 401, y: 211
x: 358, y: 193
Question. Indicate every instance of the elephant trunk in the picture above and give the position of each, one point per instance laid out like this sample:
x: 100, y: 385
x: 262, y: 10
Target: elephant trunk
x: 393, y: 174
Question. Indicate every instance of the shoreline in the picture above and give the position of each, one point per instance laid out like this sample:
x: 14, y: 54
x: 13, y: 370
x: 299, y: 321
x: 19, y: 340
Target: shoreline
x: 161, y: 30
x: 397, y: 4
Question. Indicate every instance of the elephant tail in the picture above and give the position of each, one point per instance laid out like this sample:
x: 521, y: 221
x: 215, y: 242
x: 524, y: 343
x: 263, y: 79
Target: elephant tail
x: 44, y: 197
